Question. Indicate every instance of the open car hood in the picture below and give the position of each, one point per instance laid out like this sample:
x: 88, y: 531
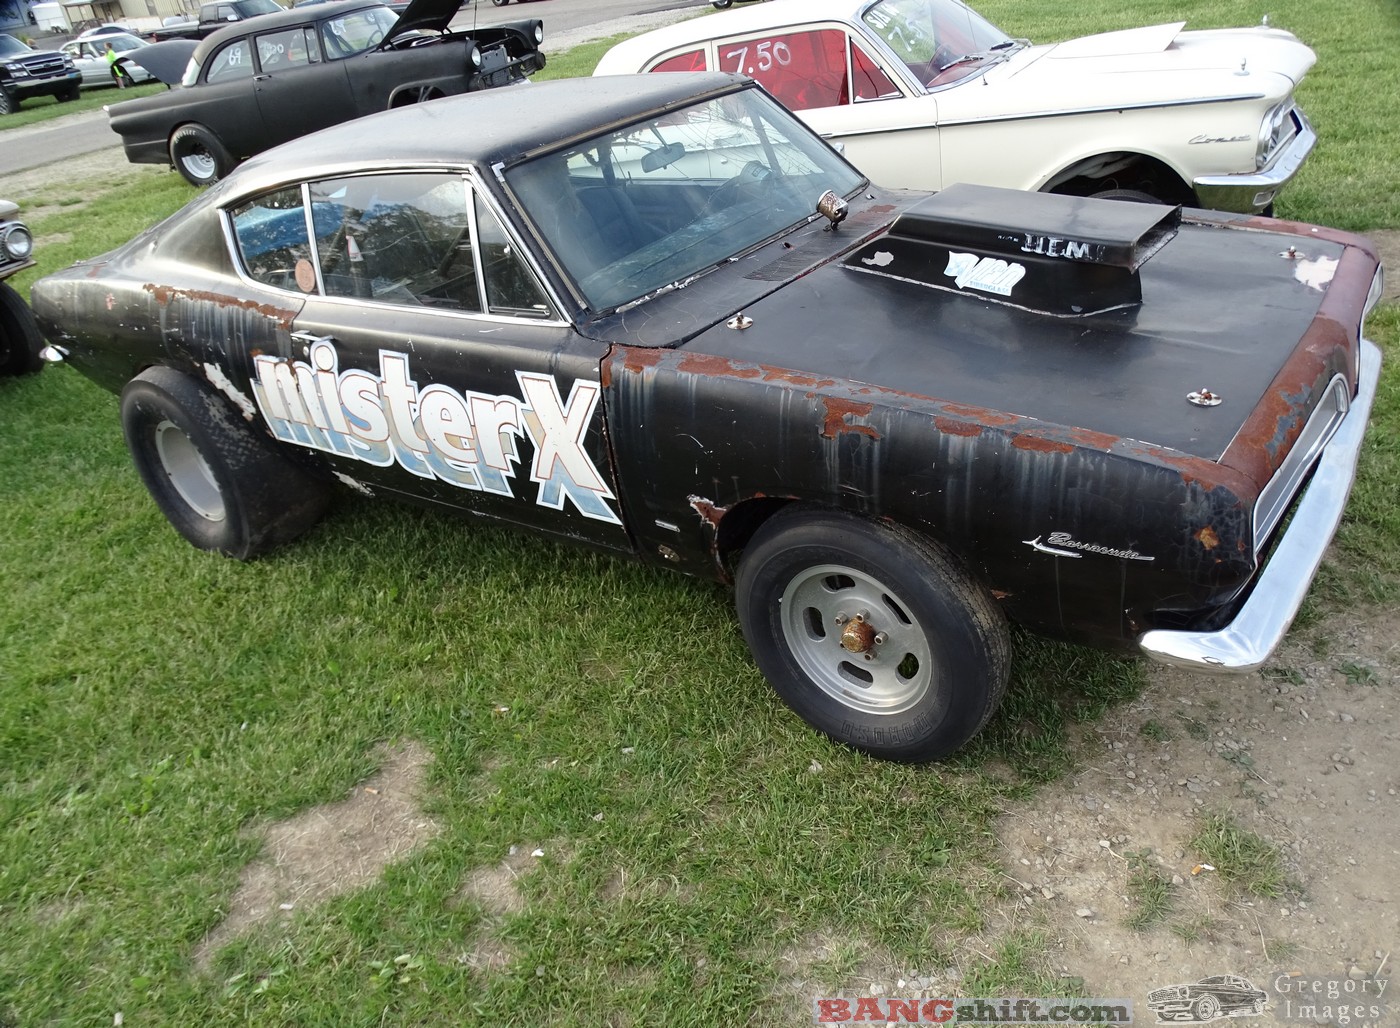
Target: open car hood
x: 165, y: 60
x: 433, y: 15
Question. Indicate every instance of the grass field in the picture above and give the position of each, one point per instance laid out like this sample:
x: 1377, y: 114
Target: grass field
x: 705, y: 859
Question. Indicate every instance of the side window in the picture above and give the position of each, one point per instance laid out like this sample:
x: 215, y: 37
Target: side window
x: 802, y: 69
x: 511, y: 288
x: 871, y: 82
x: 233, y: 61
x: 278, y: 51
x: 396, y: 239
x: 273, y: 242
x: 691, y: 61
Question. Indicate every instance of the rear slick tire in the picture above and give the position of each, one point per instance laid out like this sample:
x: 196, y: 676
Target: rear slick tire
x: 873, y: 634
x: 198, y: 156
x: 224, y: 484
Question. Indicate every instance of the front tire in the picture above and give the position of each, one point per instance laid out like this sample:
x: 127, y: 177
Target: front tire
x: 873, y: 634
x: 722, y: 4
x: 198, y: 155
x: 8, y: 104
x: 1130, y: 195
x: 223, y: 484
x: 20, y: 341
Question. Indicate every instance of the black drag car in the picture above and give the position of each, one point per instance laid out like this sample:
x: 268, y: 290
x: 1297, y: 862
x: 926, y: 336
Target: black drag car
x: 659, y: 316
x: 272, y: 78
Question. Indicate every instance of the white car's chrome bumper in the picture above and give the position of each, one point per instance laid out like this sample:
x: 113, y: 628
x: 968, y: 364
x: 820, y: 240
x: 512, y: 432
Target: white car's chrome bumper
x: 1253, y: 193
x: 1259, y: 627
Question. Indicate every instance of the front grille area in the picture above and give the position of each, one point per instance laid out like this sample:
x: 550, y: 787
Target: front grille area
x: 42, y: 66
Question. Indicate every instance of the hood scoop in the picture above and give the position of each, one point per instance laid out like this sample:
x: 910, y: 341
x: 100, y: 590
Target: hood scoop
x: 1068, y: 256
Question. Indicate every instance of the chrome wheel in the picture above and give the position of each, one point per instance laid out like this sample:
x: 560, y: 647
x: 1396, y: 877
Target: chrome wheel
x: 188, y: 472
x: 856, y: 640
x: 199, y: 164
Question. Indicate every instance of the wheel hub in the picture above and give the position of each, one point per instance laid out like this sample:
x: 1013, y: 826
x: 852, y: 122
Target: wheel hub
x: 857, y: 636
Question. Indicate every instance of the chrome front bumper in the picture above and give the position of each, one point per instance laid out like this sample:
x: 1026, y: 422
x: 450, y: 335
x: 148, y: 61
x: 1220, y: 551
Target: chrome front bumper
x: 1259, y: 627
x: 1253, y: 193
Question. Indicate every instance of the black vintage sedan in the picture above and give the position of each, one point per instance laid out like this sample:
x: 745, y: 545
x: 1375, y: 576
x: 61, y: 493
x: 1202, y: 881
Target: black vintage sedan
x: 658, y: 316
x: 269, y: 79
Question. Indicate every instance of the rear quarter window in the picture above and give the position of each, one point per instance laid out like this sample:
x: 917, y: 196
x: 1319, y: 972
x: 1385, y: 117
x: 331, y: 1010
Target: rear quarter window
x: 692, y: 60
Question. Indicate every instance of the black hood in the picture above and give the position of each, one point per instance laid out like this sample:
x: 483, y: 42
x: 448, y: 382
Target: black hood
x: 434, y: 15
x: 166, y: 61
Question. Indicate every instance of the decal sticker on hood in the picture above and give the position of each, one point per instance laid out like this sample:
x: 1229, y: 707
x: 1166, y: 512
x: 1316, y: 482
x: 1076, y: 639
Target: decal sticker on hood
x: 989, y: 274
x: 466, y: 439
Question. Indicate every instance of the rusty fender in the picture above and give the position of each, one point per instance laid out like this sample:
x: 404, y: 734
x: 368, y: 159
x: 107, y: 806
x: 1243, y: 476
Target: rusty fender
x: 698, y: 439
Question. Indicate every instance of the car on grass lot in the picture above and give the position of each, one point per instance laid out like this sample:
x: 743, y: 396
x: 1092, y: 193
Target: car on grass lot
x: 90, y: 58
x: 20, y: 340
x: 270, y: 79
x: 26, y: 73
x: 659, y: 316
x: 924, y: 93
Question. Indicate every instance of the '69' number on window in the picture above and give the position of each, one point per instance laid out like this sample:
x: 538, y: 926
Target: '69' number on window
x: 765, y: 56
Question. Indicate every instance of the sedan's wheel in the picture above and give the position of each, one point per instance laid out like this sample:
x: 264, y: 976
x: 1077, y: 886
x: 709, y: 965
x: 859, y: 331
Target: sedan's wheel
x: 873, y: 634
x: 8, y: 104
x: 722, y: 4
x: 198, y: 155
x: 1207, y: 1008
x: 20, y: 341
x: 222, y: 483
x: 500, y: 3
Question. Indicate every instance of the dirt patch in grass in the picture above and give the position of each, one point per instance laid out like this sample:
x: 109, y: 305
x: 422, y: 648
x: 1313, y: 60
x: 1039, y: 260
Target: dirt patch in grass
x: 1304, y: 759
x: 92, y: 171
x: 496, y: 889
x: 331, y: 849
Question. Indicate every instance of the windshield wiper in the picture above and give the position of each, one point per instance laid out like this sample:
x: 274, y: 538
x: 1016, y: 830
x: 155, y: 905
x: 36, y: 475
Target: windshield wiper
x: 993, y: 51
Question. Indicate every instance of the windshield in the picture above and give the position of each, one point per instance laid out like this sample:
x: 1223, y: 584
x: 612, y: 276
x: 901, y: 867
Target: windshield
x: 650, y: 205
x: 939, y: 41
x: 356, y: 32
x: 12, y: 47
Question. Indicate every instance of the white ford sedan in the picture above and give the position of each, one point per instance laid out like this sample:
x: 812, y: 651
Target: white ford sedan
x: 924, y: 93
x: 90, y: 57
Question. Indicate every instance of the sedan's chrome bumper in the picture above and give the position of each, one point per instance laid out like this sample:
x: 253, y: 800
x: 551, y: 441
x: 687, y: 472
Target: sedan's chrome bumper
x: 1253, y: 193
x: 1259, y: 627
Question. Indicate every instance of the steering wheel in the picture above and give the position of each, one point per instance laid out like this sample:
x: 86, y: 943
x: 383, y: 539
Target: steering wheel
x: 754, y: 181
